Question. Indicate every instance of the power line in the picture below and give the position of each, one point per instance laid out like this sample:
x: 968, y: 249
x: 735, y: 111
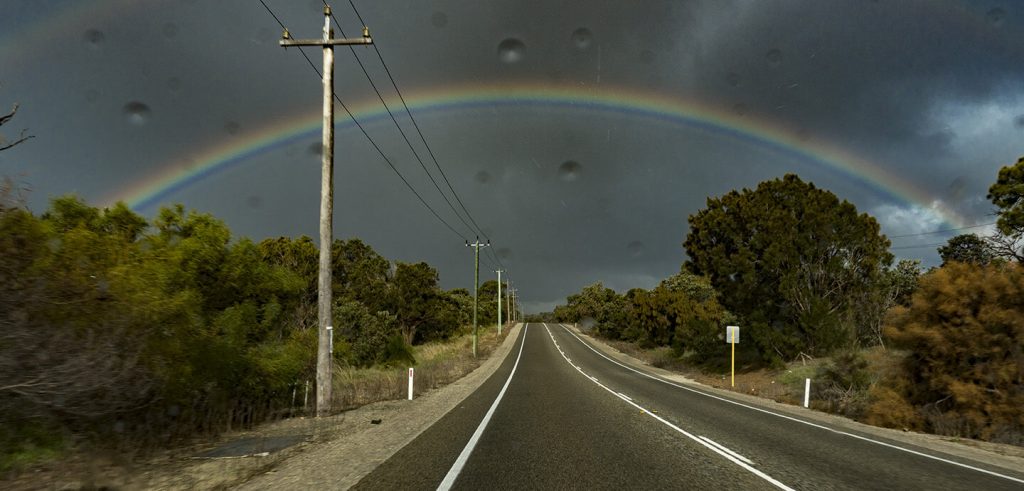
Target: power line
x: 367, y: 135
x: 919, y: 246
x: 417, y: 127
x: 942, y: 231
x: 399, y: 127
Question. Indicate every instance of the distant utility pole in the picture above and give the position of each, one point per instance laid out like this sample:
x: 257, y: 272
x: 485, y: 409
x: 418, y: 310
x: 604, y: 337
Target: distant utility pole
x: 499, y: 300
x: 476, y: 282
x: 508, y: 301
x: 515, y: 302
x: 512, y: 305
x: 326, y: 330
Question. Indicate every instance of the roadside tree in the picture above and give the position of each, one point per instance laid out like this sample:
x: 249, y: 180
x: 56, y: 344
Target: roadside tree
x: 792, y: 260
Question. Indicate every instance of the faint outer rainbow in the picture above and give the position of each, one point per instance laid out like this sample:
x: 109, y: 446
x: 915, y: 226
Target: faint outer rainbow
x: 175, y: 176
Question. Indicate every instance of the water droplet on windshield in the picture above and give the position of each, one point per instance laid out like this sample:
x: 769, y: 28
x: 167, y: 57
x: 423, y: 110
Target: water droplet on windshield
x: 635, y: 248
x: 95, y: 37
x: 504, y: 253
x: 173, y: 84
x: 482, y: 177
x: 439, y: 19
x: 582, y: 37
x: 646, y: 56
x: 232, y: 127
x: 254, y: 202
x: 569, y: 170
x: 955, y: 190
x: 91, y: 96
x: 996, y: 16
x: 733, y: 79
x: 316, y: 148
x: 136, y: 112
x: 740, y: 109
x: 511, y: 50
x: 170, y: 30
x: 1019, y: 122
x: 773, y: 57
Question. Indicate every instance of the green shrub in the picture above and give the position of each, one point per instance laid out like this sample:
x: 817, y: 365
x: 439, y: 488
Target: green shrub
x: 843, y: 383
x: 398, y: 352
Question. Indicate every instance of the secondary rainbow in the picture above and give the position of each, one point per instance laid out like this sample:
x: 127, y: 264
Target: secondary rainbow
x: 176, y: 175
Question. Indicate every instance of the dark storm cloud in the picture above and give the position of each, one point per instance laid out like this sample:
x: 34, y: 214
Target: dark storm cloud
x: 928, y: 90
x: 865, y: 74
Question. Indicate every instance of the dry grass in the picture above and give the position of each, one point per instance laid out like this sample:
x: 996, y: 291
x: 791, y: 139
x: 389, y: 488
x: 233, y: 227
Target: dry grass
x: 785, y: 385
x: 437, y: 364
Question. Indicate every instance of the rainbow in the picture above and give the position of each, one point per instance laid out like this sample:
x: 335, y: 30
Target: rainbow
x: 175, y: 176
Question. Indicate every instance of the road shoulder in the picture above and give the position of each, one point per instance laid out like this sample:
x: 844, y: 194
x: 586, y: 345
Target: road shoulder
x: 361, y: 446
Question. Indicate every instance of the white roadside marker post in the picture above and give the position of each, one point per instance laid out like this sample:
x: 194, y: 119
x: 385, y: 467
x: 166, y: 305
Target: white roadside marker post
x: 410, y: 382
x: 807, y: 392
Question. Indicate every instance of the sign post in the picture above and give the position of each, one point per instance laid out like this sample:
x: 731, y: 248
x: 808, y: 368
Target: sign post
x: 732, y: 336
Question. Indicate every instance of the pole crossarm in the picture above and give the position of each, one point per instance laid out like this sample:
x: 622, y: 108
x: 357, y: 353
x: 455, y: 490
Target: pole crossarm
x: 286, y: 43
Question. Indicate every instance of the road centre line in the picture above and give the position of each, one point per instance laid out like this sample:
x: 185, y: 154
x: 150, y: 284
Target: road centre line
x: 791, y: 418
x: 717, y: 448
x: 723, y: 447
x: 453, y: 473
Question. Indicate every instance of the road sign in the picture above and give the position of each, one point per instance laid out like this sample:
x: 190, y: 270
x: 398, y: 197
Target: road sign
x: 732, y: 334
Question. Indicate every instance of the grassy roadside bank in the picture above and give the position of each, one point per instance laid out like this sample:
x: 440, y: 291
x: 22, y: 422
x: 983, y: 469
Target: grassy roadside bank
x: 438, y: 364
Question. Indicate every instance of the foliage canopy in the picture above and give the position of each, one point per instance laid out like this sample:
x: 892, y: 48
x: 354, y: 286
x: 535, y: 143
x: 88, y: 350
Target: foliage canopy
x: 790, y: 259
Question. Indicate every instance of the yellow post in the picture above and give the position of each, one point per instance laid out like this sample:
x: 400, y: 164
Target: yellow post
x: 733, y: 358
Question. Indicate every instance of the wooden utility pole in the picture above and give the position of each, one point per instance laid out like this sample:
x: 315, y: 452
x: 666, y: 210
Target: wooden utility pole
x: 514, y: 307
x: 324, y: 301
x: 476, y: 283
x: 508, y: 301
x: 499, y: 300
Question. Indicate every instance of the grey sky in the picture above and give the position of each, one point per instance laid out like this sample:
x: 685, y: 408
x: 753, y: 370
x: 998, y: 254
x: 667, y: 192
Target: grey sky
x: 932, y: 92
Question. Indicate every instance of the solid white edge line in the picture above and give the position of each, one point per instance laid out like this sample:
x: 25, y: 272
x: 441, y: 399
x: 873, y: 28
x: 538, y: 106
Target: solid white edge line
x: 791, y: 418
x: 713, y: 448
x: 453, y: 473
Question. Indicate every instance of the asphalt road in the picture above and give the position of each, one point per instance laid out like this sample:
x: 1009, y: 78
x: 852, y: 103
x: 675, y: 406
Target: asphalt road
x: 560, y: 415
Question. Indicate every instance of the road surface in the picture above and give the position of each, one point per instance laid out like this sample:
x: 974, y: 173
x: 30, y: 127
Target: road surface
x: 558, y: 414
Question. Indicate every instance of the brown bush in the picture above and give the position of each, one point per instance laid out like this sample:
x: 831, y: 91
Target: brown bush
x: 888, y: 408
x: 964, y: 332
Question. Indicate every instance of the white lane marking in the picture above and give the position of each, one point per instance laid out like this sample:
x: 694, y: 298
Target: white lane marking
x: 725, y: 449
x: 718, y: 449
x: 453, y: 473
x: 808, y: 423
x: 624, y: 396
